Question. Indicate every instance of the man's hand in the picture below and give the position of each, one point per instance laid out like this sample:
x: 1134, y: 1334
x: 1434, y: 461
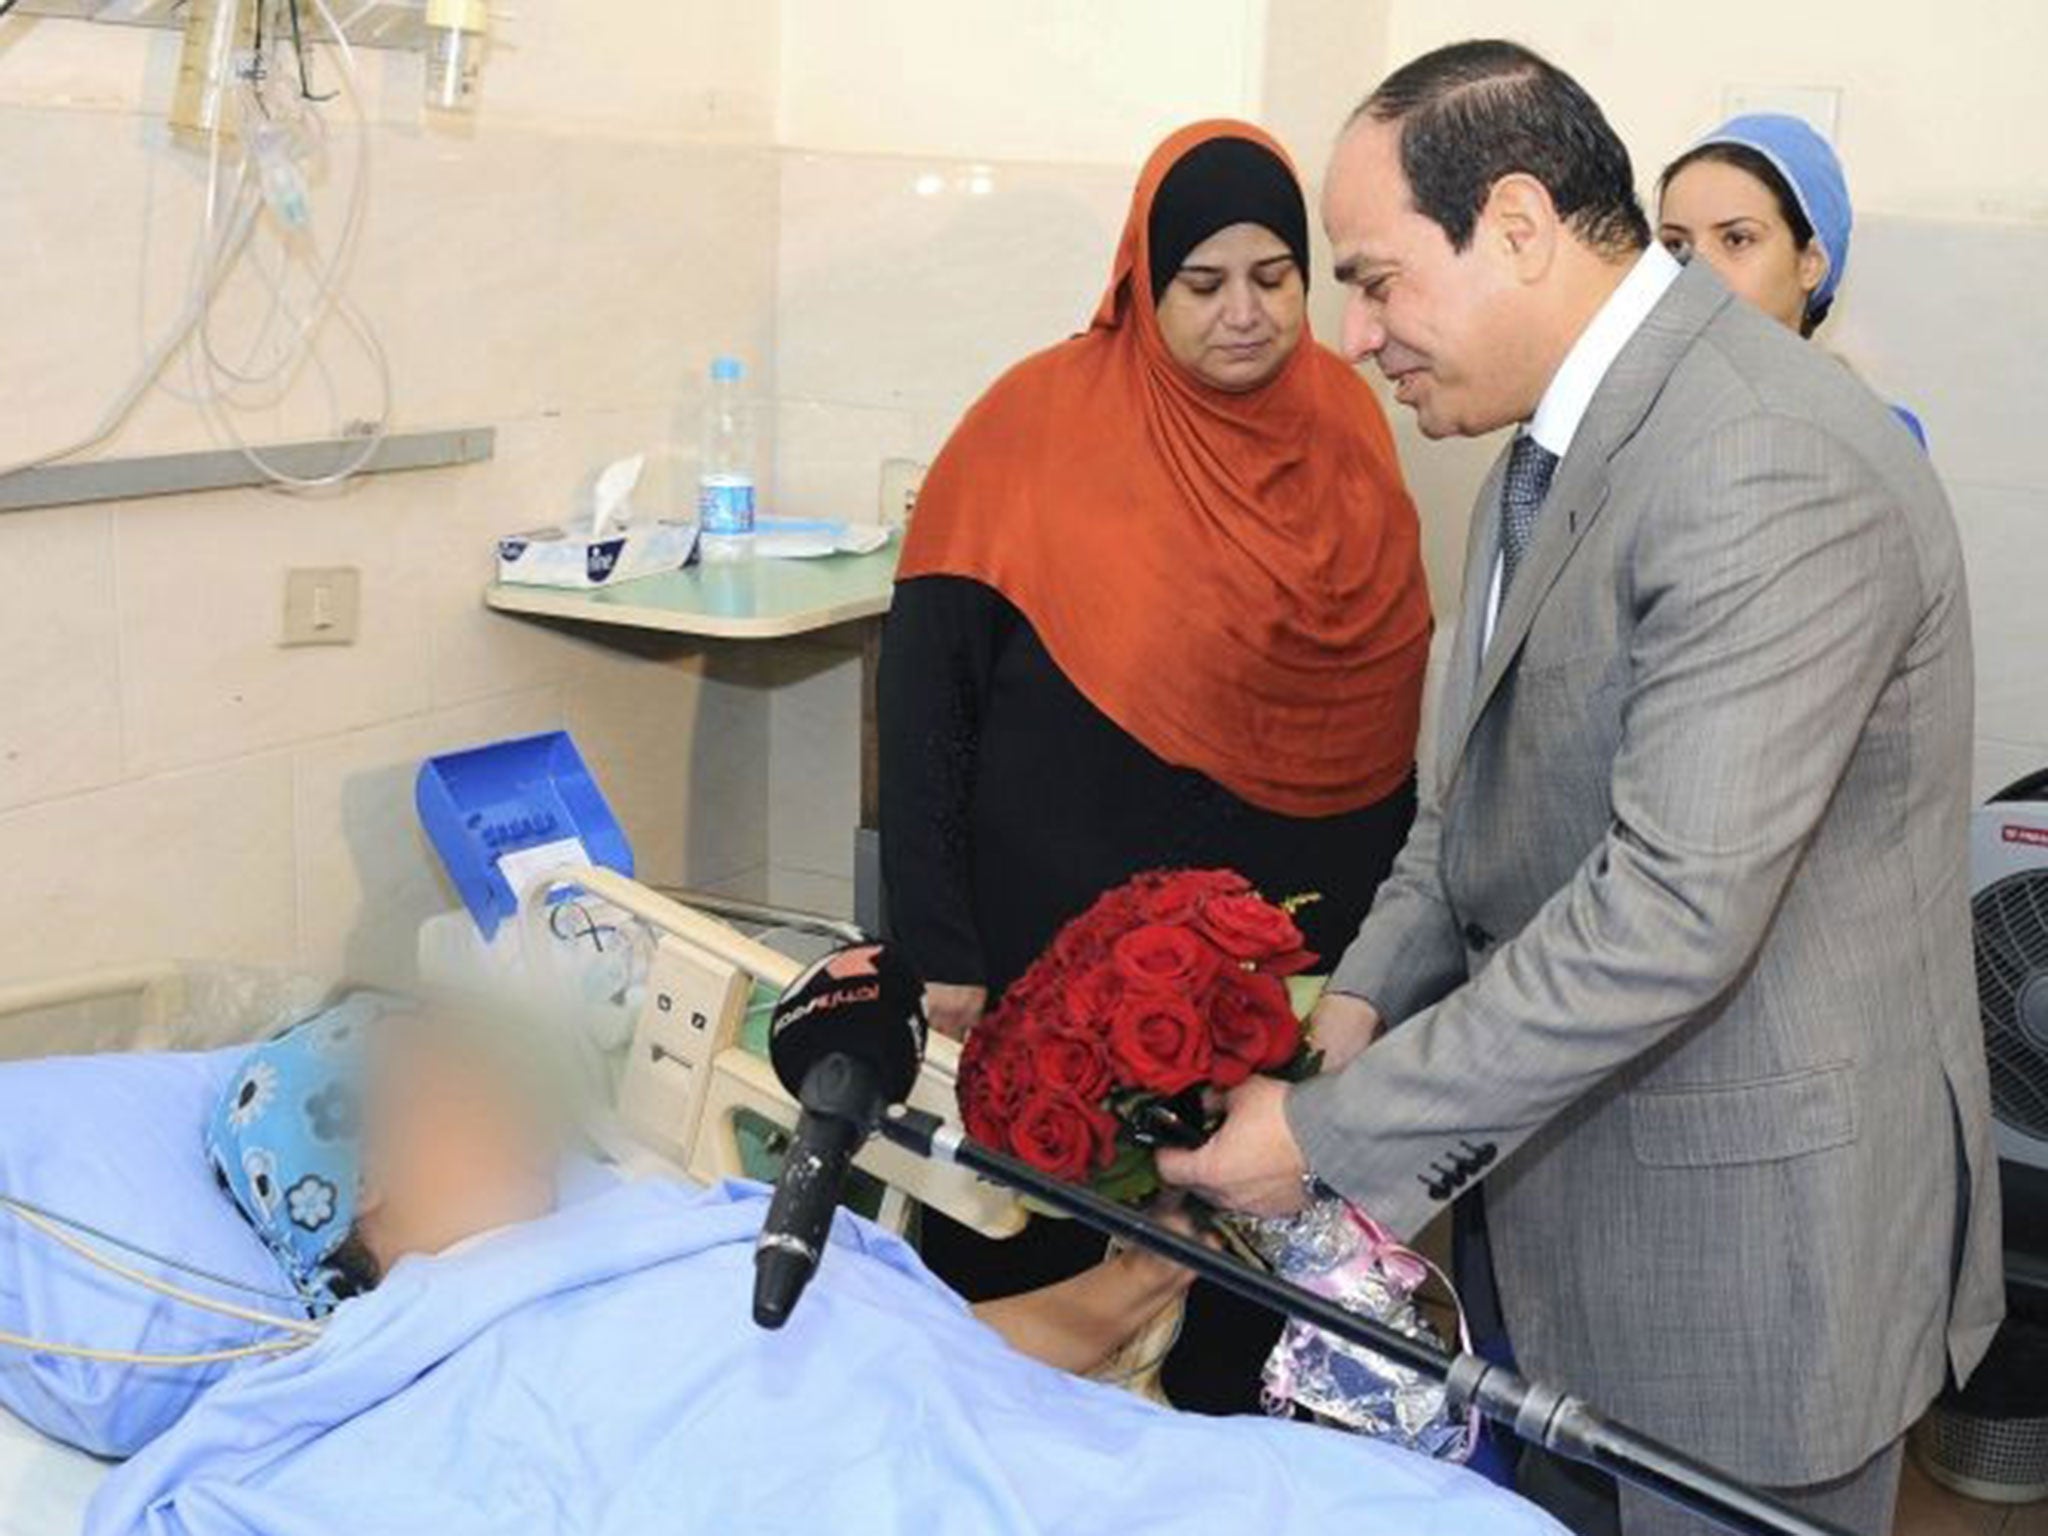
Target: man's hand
x: 1341, y: 1027
x: 1253, y: 1163
x: 952, y: 1010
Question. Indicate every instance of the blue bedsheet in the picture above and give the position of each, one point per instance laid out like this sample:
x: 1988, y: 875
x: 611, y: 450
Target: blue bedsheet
x: 597, y: 1372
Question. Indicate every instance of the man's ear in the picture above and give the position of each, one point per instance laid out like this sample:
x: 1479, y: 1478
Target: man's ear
x: 369, y: 1197
x: 1521, y: 221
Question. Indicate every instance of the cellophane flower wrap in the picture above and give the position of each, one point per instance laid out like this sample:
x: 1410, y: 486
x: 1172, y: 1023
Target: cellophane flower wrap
x: 1172, y: 984
x: 1337, y: 1251
x: 1170, y: 987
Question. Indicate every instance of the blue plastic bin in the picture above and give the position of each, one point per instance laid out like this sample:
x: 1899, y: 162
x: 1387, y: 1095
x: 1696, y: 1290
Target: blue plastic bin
x: 534, y: 797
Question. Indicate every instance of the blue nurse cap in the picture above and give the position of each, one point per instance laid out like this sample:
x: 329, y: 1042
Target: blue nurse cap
x: 1812, y: 170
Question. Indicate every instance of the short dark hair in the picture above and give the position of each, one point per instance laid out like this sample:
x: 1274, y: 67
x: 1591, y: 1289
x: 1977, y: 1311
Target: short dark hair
x: 1474, y: 112
x: 356, y: 1272
x: 1758, y: 165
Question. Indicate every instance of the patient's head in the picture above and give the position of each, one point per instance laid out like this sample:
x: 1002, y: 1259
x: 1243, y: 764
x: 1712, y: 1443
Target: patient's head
x: 373, y: 1130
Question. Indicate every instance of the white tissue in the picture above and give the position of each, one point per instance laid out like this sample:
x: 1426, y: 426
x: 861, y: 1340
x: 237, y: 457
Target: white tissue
x: 611, y: 498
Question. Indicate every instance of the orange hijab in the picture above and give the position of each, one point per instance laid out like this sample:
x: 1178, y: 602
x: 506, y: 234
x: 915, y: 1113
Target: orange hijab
x: 1234, y: 579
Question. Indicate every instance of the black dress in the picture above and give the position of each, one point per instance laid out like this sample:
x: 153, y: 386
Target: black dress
x: 1009, y: 803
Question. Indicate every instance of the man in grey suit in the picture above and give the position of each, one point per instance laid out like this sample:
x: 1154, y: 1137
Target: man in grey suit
x: 1677, y: 958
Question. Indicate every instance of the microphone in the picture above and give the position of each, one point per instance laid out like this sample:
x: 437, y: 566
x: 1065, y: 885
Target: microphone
x: 847, y: 1039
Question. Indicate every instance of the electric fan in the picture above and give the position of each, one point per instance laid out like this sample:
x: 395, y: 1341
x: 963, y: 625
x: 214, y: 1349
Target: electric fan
x: 2009, y: 904
x: 1990, y: 1440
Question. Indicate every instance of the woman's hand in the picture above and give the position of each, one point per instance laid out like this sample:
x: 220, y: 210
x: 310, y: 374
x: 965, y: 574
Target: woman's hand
x: 954, y: 1010
x: 1080, y: 1323
x: 1342, y: 1027
x: 1148, y: 1279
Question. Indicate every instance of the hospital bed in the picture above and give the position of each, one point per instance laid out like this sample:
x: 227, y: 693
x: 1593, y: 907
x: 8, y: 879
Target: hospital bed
x: 686, y: 1094
x: 44, y: 1486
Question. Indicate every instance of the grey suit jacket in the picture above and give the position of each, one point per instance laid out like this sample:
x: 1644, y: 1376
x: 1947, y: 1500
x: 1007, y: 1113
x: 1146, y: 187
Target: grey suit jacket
x: 1679, y: 946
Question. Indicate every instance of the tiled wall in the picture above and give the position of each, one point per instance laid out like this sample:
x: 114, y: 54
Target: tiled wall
x: 1948, y: 319
x: 1071, y: 82
x: 171, y: 781
x: 1939, y: 106
x: 905, y: 285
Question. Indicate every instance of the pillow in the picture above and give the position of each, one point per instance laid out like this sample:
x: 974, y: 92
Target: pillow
x: 115, y: 1141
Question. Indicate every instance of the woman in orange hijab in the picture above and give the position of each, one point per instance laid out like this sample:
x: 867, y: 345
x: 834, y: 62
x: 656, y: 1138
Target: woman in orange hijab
x: 1162, y: 604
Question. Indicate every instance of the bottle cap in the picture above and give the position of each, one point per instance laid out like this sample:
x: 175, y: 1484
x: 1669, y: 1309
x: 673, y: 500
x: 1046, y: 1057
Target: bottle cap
x: 725, y: 368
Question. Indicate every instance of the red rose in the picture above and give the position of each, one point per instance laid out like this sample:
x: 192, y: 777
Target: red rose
x: 994, y: 1073
x: 1295, y: 963
x: 1170, y: 901
x: 1080, y: 946
x: 1252, y: 1019
x: 1116, y: 910
x: 1071, y: 1061
x: 984, y: 1120
x: 1029, y: 991
x: 1091, y: 998
x: 1176, y: 896
x: 1166, y: 958
x: 1248, y: 928
x: 1063, y: 1136
x: 1159, y: 1042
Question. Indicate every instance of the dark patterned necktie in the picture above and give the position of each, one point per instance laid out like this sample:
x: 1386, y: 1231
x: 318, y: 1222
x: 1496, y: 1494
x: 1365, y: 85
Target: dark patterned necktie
x: 1530, y: 466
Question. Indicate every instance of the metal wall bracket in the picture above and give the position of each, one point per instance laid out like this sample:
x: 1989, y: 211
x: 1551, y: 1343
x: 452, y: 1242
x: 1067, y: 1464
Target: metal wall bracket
x: 175, y: 474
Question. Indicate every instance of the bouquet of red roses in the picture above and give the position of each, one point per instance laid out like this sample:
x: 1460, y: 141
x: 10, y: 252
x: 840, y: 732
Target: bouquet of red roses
x: 1171, y: 985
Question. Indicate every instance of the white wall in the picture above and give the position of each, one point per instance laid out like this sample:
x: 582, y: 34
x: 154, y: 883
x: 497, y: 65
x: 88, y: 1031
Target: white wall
x: 1939, y: 109
x: 171, y: 781
x: 905, y: 285
x: 1059, y: 80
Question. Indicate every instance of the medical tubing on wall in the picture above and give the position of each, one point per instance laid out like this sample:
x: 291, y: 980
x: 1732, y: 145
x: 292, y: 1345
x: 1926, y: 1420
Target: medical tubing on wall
x: 330, y: 301
x: 228, y: 224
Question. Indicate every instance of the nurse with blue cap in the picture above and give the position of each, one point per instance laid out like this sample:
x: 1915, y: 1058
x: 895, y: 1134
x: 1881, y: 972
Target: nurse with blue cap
x: 1762, y: 200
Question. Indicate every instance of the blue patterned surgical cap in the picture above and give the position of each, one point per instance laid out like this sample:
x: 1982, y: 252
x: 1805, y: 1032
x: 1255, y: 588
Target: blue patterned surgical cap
x: 284, y: 1139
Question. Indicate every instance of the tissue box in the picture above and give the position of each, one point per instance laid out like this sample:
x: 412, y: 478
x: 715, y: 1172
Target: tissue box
x: 556, y: 557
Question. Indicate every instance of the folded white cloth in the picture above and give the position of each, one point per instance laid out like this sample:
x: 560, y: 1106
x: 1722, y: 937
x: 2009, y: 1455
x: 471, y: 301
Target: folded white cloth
x: 796, y: 539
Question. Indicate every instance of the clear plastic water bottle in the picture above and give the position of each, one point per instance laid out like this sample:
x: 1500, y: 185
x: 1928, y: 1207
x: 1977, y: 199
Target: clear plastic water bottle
x: 725, y: 481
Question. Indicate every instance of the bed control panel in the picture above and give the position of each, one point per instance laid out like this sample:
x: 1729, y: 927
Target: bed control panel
x: 695, y: 1006
x: 690, y: 1083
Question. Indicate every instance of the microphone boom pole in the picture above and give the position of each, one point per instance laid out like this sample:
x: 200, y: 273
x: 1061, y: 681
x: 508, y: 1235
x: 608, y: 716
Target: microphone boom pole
x: 1532, y: 1411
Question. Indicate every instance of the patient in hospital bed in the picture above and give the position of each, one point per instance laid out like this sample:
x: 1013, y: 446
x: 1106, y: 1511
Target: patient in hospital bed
x: 504, y: 1355
x: 373, y: 1132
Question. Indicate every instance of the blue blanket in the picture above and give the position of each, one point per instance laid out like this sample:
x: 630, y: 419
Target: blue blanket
x: 598, y: 1372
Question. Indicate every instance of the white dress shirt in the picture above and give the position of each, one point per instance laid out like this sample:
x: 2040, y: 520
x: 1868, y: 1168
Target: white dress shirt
x: 1573, y: 386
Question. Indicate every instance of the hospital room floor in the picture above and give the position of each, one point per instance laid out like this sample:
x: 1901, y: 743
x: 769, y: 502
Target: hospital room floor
x: 1928, y: 1509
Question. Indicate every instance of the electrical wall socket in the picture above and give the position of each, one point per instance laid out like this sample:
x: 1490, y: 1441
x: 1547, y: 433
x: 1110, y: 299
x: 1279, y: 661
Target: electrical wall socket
x: 901, y: 481
x: 322, y: 605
